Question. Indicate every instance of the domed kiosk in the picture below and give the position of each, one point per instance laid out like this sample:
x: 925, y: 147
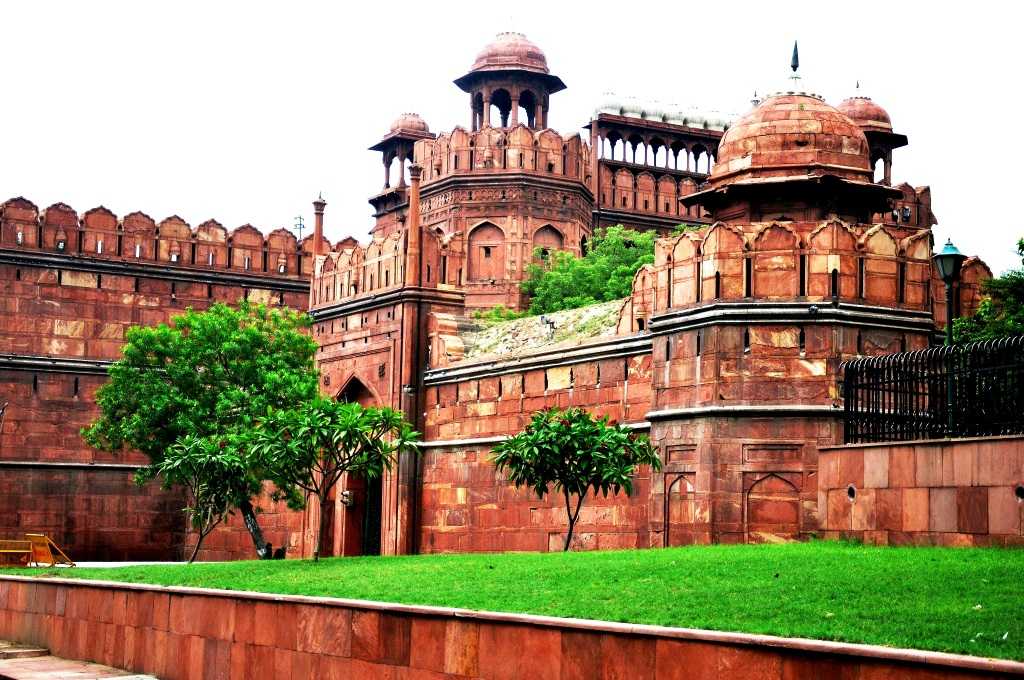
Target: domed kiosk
x: 510, y: 73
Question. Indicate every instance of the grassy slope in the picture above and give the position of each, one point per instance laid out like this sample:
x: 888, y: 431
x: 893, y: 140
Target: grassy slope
x: 905, y: 597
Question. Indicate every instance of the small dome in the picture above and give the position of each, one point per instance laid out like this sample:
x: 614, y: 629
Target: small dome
x: 792, y: 134
x: 511, y: 52
x: 866, y: 113
x: 410, y: 121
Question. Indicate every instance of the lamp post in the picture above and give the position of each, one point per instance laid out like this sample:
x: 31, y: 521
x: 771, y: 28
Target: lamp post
x: 948, y: 261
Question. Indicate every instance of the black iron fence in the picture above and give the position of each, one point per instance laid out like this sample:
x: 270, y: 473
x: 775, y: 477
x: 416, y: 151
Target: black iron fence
x: 969, y: 390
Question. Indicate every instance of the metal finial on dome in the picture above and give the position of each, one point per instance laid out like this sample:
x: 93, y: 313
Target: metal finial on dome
x: 857, y: 86
x: 794, y: 63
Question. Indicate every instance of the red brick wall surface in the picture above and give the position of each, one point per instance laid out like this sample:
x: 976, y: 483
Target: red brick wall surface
x: 957, y: 492
x: 468, y: 506
x: 92, y: 513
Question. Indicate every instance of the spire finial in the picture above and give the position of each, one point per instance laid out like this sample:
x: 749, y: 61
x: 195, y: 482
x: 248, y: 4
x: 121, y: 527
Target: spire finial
x: 858, y: 86
x: 794, y: 64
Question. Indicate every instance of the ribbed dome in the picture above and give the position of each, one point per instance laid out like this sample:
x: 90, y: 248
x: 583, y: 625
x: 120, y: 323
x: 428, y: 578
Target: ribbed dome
x: 788, y: 135
x: 409, y: 121
x: 511, y: 51
x: 866, y: 113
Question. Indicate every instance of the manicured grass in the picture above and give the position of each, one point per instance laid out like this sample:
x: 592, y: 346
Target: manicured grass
x: 946, y: 599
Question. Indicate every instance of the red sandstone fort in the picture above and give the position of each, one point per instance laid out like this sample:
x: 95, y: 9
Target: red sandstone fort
x: 802, y: 255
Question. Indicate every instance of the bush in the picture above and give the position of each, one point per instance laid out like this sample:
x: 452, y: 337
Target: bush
x: 563, y: 281
x: 1001, y: 313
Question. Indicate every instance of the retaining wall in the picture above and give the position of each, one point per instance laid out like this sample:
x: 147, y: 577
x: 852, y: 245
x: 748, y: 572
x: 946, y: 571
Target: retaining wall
x: 186, y: 633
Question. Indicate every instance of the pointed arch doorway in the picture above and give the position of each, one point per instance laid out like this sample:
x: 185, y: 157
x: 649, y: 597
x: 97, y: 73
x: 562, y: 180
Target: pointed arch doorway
x: 360, y: 521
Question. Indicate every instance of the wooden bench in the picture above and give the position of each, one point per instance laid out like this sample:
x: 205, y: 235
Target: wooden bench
x: 15, y: 553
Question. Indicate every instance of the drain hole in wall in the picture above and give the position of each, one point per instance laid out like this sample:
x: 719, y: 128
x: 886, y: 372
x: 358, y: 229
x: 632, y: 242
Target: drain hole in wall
x: 851, y: 493
x: 1019, y: 492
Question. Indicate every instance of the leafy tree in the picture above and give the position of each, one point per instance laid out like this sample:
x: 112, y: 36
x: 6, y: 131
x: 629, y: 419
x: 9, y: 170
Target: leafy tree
x: 306, y: 450
x: 209, y: 375
x: 1001, y: 313
x: 561, y: 280
x: 573, y: 452
x: 213, y: 473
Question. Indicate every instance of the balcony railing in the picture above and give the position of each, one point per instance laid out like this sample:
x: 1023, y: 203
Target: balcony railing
x: 969, y: 390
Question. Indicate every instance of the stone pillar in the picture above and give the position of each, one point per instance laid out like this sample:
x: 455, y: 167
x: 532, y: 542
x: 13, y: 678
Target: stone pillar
x: 887, y: 169
x: 401, y: 169
x: 538, y: 115
x: 318, y: 226
x: 387, y: 171
x: 487, y: 110
x: 412, y: 248
x: 514, y: 120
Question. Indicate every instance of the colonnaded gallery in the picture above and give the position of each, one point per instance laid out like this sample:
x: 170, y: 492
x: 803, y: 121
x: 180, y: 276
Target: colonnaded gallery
x: 801, y: 254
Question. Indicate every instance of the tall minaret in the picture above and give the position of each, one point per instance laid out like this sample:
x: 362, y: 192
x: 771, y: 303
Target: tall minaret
x: 318, y: 225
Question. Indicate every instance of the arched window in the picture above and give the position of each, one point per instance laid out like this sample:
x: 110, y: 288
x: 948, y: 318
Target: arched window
x: 502, y: 101
x: 528, y: 108
x: 486, y: 253
x: 548, y: 239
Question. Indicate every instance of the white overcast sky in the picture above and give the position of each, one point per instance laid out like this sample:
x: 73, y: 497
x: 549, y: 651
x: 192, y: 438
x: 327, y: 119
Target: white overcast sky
x: 245, y: 111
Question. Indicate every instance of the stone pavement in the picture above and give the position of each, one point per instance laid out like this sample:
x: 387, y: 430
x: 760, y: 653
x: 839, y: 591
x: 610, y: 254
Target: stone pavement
x: 20, y: 662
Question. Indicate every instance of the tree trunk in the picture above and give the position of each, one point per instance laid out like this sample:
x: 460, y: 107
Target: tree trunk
x: 263, y: 549
x: 325, y: 507
x: 195, y: 550
x: 573, y: 518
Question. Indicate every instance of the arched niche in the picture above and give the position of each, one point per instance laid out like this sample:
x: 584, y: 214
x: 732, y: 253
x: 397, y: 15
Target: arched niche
x: 486, y: 253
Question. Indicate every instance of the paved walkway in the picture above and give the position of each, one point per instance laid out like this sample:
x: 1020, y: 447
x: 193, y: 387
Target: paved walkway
x: 18, y: 662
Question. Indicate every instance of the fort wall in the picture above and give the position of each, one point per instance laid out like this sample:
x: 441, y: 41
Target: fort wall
x: 70, y: 287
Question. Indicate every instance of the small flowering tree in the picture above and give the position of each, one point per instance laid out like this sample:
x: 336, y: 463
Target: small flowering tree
x: 571, y: 452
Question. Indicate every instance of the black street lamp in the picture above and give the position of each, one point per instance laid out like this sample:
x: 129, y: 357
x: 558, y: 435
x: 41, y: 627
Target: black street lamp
x: 948, y: 261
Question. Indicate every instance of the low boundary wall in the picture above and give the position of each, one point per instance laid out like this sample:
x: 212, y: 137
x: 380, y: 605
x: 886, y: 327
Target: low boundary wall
x: 187, y: 633
x: 931, y: 492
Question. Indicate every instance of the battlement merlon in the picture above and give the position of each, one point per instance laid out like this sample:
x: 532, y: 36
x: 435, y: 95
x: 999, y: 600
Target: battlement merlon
x: 101, y: 238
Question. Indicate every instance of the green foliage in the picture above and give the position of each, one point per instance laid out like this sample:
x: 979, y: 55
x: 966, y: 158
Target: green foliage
x: 1001, y: 313
x: 306, y: 449
x: 683, y: 228
x: 499, y: 313
x: 572, y: 452
x: 563, y: 281
x: 208, y: 376
x: 916, y: 597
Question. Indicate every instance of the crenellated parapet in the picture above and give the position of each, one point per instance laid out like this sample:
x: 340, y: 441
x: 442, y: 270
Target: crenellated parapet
x: 137, y: 238
x: 517, y: 149
x: 831, y: 262
x: 353, y: 271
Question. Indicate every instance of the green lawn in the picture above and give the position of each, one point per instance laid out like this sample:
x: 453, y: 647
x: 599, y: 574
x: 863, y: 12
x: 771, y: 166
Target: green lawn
x: 947, y: 599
